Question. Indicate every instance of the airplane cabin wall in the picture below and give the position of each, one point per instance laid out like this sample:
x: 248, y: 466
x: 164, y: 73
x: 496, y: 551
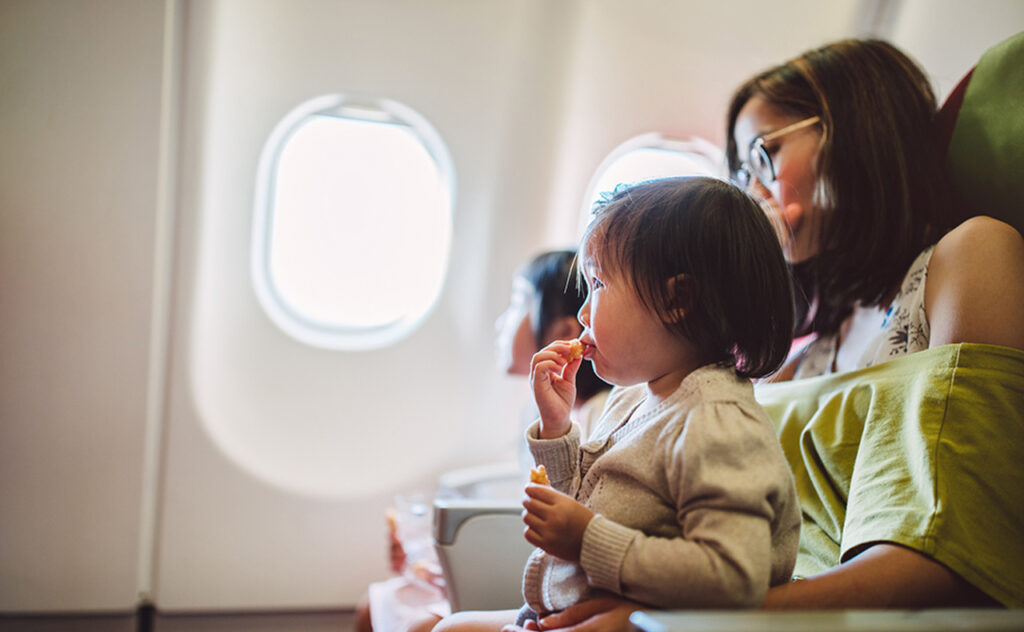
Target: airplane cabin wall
x: 653, y: 66
x: 79, y: 119
x: 277, y: 476
x: 133, y: 343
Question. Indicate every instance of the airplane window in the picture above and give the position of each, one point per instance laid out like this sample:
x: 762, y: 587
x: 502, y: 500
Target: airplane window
x: 352, y: 222
x: 652, y: 156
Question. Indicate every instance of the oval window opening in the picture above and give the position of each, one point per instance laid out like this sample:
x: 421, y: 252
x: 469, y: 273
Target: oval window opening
x: 352, y: 222
x: 648, y: 157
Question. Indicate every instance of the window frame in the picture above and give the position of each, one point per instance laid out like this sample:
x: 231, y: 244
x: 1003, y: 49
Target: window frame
x: 651, y: 140
x: 281, y: 312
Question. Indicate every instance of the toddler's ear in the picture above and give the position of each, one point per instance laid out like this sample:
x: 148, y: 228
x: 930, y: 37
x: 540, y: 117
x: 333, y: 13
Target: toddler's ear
x: 680, y: 289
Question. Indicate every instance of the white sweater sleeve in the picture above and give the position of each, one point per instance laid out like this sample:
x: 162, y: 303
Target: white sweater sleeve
x: 559, y: 456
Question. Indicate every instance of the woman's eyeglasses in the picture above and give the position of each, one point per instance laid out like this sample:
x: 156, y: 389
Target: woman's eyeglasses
x: 758, y: 163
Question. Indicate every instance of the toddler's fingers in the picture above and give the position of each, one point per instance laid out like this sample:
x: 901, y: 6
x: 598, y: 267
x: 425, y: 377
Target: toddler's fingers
x: 542, y: 375
x: 569, y: 371
x: 535, y: 508
x: 560, y: 352
x: 532, y: 537
x: 532, y: 522
x: 546, y: 368
x: 542, y: 493
x: 551, y: 353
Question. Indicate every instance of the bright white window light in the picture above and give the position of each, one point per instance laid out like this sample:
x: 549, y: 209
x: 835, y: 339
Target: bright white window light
x: 352, y: 223
x: 648, y: 157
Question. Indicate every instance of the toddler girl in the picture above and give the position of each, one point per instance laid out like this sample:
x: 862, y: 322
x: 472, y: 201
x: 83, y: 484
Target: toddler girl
x: 682, y: 496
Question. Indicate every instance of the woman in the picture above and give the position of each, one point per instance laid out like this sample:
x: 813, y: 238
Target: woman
x: 838, y: 144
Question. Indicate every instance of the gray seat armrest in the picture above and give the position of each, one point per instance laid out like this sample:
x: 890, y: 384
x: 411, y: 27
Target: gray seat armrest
x: 482, y: 552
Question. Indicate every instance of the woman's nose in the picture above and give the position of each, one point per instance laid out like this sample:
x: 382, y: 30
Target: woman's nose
x: 757, y: 189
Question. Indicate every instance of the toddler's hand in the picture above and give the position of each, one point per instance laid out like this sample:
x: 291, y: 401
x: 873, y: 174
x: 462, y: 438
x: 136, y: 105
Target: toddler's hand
x: 553, y: 377
x: 555, y: 522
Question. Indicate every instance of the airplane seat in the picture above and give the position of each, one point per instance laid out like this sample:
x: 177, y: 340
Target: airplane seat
x: 981, y: 124
x: 478, y: 535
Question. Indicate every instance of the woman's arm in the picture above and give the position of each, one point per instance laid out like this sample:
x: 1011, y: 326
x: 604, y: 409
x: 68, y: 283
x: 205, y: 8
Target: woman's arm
x: 883, y: 576
x: 975, y: 290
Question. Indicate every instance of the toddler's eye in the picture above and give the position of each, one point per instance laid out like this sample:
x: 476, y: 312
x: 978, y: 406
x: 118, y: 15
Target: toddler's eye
x: 595, y: 283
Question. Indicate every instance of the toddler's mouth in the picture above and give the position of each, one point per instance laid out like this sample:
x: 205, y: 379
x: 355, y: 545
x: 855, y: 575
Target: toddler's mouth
x: 588, y: 350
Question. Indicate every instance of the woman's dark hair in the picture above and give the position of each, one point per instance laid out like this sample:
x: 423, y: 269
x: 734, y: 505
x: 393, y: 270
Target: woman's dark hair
x: 882, y: 186
x: 736, y: 297
x: 551, y: 274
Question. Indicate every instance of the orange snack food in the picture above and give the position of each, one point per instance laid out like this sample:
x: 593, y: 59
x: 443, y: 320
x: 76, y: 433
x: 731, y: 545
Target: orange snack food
x: 539, y: 475
x: 576, y: 350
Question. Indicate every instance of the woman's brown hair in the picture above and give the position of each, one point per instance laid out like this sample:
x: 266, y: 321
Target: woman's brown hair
x: 882, y: 186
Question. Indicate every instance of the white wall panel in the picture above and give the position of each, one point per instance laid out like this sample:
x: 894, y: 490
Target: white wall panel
x: 237, y: 531
x: 79, y: 117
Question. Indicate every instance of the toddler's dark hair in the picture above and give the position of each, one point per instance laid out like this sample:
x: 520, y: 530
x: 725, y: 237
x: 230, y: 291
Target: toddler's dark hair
x: 737, y: 298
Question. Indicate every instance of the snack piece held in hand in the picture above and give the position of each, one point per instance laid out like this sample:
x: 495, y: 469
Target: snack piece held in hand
x: 575, y: 350
x: 539, y: 475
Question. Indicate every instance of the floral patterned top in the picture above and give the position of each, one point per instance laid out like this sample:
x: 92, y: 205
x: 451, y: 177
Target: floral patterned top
x: 904, y: 329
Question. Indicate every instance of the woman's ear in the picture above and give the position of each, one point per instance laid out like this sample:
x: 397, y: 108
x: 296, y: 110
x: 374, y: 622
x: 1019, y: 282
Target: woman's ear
x: 564, y: 328
x: 680, y: 289
x: 793, y: 215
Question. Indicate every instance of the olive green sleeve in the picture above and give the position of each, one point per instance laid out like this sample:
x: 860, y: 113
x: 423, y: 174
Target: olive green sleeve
x: 921, y: 451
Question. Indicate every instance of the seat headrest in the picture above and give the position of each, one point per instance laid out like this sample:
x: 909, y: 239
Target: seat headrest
x: 985, y: 159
